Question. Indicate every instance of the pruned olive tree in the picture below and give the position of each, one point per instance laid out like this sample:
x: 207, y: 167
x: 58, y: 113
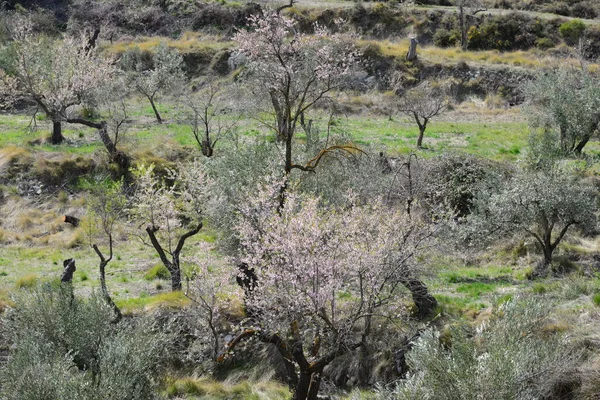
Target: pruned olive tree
x: 56, y: 75
x: 170, y: 214
x: 293, y: 72
x: 326, y: 278
x: 565, y: 101
x: 422, y: 103
x: 542, y: 204
x: 164, y: 75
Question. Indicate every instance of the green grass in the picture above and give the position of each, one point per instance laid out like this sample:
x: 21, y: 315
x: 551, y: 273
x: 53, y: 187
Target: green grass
x: 159, y: 271
x: 145, y: 302
x: 475, y: 290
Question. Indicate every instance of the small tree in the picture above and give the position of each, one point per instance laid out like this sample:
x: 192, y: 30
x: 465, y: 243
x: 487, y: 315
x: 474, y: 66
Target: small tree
x: 212, y: 115
x: 543, y: 204
x: 566, y: 101
x: 164, y: 76
x: 325, y: 277
x: 105, y: 207
x: 171, y: 214
x: 56, y: 75
x: 466, y: 9
x: 294, y: 71
x: 423, y: 103
x: 208, y: 285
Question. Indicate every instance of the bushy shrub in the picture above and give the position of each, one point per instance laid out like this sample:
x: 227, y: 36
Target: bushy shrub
x: 446, y: 38
x: 453, y: 180
x: 66, y: 349
x: 511, y: 356
x: 158, y: 271
x: 572, y: 30
x: 584, y: 10
x: 513, y: 31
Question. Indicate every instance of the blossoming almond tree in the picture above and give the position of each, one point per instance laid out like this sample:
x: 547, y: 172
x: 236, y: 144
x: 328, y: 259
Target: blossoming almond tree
x: 171, y: 214
x: 325, y: 277
x: 294, y: 71
x: 55, y: 74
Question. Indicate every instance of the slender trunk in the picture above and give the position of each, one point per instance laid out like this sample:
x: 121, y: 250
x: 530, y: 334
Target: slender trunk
x: 420, y: 139
x: 106, y: 295
x: 581, y: 145
x: 102, y: 267
x: 422, y: 126
x: 463, y: 28
x: 158, y: 118
x: 57, y: 136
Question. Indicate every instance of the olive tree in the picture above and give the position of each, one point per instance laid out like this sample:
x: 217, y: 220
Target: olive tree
x: 504, y: 358
x: 542, y: 204
x: 171, y: 214
x: 56, y: 75
x: 293, y: 72
x: 164, y: 75
x: 325, y: 278
x: 567, y: 102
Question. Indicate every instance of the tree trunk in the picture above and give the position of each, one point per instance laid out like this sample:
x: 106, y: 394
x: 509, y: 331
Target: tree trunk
x: 422, y: 127
x: 542, y: 268
x: 420, y: 139
x: 315, y: 384
x: 303, y: 385
x: 57, y: 136
x: 106, y: 295
x: 424, y: 301
x: 207, y: 148
x: 69, y: 219
x: 412, y: 50
x: 175, y: 271
x: 463, y: 28
x: 69, y: 269
x: 158, y: 118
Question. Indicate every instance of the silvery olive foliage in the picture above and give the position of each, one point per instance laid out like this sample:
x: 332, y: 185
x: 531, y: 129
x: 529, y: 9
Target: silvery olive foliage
x: 565, y: 101
x: 541, y: 204
x: 65, y: 348
x: 507, y: 357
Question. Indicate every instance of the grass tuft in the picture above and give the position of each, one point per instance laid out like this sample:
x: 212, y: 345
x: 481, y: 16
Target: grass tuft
x: 159, y: 271
x: 27, y: 281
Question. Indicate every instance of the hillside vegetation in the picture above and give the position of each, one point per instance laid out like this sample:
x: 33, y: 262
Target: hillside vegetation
x: 234, y: 200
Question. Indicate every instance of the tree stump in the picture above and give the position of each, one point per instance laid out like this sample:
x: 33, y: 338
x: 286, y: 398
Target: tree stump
x: 412, y: 50
x: 68, y: 270
x: 69, y: 219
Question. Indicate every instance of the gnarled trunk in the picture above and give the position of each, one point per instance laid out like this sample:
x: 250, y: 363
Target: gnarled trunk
x: 424, y: 301
x: 56, y: 137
